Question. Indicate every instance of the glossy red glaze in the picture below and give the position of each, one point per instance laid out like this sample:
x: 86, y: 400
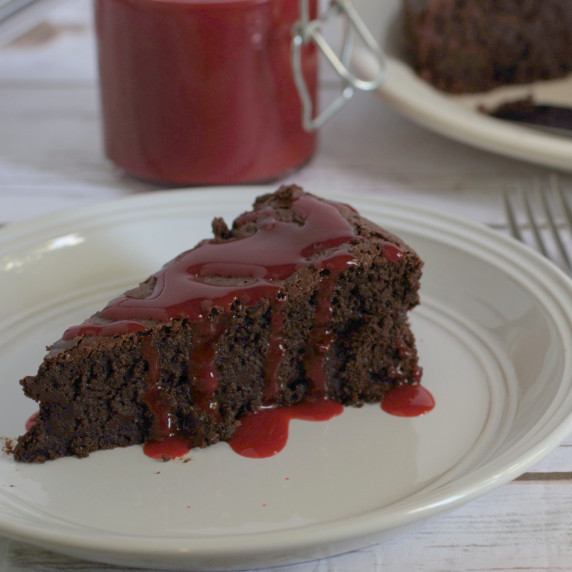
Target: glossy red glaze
x: 167, y: 448
x: 408, y: 400
x: 32, y: 420
x: 265, y: 433
x: 205, y: 279
x: 185, y: 288
x: 114, y: 328
x: 392, y: 252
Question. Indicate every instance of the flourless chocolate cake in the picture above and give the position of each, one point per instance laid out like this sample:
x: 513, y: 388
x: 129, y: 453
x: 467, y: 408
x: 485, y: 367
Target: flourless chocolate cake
x: 469, y: 46
x: 300, y: 299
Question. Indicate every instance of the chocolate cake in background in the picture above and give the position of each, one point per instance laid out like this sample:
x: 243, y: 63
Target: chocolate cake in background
x: 300, y: 298
x: 469, y: 46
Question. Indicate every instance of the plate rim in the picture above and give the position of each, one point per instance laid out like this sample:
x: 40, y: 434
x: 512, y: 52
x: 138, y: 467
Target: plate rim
x: 363, y: 525
x: 417, y: 100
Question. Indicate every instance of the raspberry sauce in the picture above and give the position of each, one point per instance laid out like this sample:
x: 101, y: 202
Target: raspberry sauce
x: 265, y: 433
x: 111, y: 329
x: 408, y: 400
x: 202, y: 285
x: 202, y: 91
x: 190, y: 287
x: 167, y: 448
x: 32, y: 420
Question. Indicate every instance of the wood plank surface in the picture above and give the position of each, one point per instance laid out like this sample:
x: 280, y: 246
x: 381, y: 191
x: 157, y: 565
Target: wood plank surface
x: 51, y: 159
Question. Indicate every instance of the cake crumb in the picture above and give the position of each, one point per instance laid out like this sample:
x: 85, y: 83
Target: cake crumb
x: 8, y: 445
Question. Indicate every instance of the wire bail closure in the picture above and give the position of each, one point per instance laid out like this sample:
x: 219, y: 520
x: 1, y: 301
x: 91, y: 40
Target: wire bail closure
x: 306, y: 30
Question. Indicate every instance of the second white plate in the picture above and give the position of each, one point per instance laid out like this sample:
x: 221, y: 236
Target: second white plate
x: 457, y: 116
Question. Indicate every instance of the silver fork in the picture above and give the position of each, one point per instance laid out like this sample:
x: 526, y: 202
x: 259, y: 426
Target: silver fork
x: 541, y: 217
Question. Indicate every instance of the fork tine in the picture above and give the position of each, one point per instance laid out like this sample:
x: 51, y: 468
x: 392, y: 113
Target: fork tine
x: 552, y: 225
x: 535, y: 229
x: 513, y: 225
x: 562, y: 202
x: 546, y: 218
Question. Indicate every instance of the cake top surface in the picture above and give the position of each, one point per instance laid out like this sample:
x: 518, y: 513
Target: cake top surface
x: 287, y: 230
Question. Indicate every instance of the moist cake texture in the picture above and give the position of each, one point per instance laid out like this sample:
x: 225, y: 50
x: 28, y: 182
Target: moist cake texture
x: 301, y: 298
x: 464, y: 46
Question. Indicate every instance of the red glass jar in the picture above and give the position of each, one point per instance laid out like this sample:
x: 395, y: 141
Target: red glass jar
x: 202, y: 91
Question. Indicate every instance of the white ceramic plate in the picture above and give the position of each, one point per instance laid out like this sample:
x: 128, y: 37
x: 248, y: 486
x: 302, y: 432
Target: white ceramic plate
x: 456, y: 116
x: 494, y: 331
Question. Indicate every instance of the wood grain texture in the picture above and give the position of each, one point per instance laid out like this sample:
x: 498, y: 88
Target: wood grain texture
x: 51, y: 158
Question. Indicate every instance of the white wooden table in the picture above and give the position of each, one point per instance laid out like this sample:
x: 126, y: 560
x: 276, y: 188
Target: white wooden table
x: 51, y: 158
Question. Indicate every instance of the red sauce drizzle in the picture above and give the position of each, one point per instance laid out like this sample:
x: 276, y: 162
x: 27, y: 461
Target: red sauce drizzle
x: 109, y: 329
x: 164, y: 424
x: 408, y: 400
x: 202, y: 284
x: 32, y: 420
x: 275, y: 355
x: 392, y: 252
x: 321, y: 335
x: 202, y: 368
x: 185, y: 286
x: 167, y: 448
x: 265, y: 433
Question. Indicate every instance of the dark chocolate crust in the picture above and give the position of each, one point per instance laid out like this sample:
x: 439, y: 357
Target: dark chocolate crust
x: 92, y: 390
x: 469, y: 46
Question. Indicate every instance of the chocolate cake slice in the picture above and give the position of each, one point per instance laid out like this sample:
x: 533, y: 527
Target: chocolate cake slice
x: 301, y: 299
x: 469, y: 46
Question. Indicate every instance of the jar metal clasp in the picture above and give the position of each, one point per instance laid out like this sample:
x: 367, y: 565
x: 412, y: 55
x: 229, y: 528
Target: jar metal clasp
x: 307, y: 30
